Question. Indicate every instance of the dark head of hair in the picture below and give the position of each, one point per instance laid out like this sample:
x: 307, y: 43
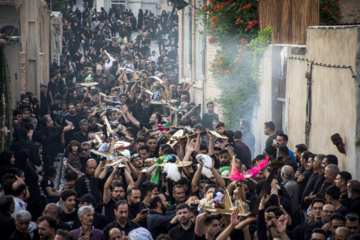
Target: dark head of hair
x: 7, y: 186
x: 182, y: 206
x: 51, y: 221
x: 270, y: 125
x: 50, y: 171
x: 337, y: 216
x: 332, y: 159
x: 301, y: 147
x: 209, y: 220
x: 148, y: 187
x: 158, y: 117
x: 130, y: 191
x: 66, y: 235
x: 6, y: 202
x: 147, y: 134
x: 284, y: 136
x: 354, y: 185
x: 306, y: 155
x: 71, y: 144
x: 141, y: 139
x: 162, y: 236
x: 207, y: 187
x: 237, y: 134
x: 164, y: 146
x: 67, y: 193
x: 320, y: 230
x: 219, y: 124
x: 118, y: 185
x: 121, y: 202
x: 204, y: 147
x: 345, y: 176
x: 284, y: 150
x: 317, y: 200
x: 144, y: 147
x: 70, y: 176
x: 169, y: 151
x: 154, y: 201
x: 17, y: 191
x: 333, y: 191
x: 271, y: 150
x: 352, y: 217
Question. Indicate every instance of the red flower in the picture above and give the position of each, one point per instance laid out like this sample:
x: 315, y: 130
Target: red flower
x: 227, y: 71
x: 121, y: 148
x: 210, y: 40
x: 216, y: 37
x: 245, y: 7
x: 206, y: 7
x: 213, y: 28
x: 325, y: 9
x: 337, y: 13
x: 214, y: 19
x: 221, y: 56
x: 244, y: 41
x: 238, y: 21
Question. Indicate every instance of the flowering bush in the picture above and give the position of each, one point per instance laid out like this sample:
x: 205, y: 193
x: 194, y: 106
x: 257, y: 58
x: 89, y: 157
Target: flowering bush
x: 329, y: 12
x: 233, y: 25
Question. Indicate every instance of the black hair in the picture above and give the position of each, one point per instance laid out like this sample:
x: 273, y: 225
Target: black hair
x: 301, y: 147
x: 209, y: 220
x: 182, y: 206
x: 130, y: 191
x: 284, y: 136
x: 284, y: 150
x: 67, y: 193
x: 271, y: 150
x: 320, y: 230
x: 6, y: 202
x: 144, y: 147
x: 148, y: 187
x: 270, y: 125
x: 332, y: 159
x: 154, y: 200
x: 337, y: 216
x: 345, y: 176
x: 333, y: 191
x: 51, y: 221
x: 50, y: 171
x: 204, y: 147
x: 237, y: 134
x: 121, y: 202
x: 317, y: 200
x: 70, y: 175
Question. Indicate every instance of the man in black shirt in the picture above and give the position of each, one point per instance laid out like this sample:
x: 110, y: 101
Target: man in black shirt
x: 122, y: 221
x: 75, y: 119
x: 89, y: 184
x: 185, y: 229
x: 82, y: 135
x: 137, y: 211
x: 51, y: 139
x: 68, y: 200
x: 269, y: 130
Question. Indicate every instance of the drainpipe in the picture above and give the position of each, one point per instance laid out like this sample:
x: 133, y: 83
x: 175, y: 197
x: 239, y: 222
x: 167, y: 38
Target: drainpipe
x: 203, y: 64
x: 308, y: 76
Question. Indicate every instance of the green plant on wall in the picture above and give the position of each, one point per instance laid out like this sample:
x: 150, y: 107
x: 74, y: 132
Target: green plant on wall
x: 234, y: 27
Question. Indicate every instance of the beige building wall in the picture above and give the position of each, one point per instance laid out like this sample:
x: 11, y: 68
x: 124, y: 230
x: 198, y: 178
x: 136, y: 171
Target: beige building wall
x: 333, y: 93
x: 192, y: 59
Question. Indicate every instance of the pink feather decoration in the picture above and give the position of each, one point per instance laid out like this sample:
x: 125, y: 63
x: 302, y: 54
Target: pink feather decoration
x: 254, y: 171
x: 162, y: 128
x: 236, y: 175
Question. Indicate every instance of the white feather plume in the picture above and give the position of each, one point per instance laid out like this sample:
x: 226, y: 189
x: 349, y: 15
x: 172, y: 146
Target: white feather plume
x: 205, y: 160
x: 172, y: 171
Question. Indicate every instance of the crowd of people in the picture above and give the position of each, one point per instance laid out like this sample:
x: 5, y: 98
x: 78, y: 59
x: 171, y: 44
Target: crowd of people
x: 112, y: 98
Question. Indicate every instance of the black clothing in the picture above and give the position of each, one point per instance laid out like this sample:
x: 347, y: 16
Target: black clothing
x: 133, y: 212
x: 269, y: 141
x: 7, y: 225
x: 308, y: 189
x: 51, y: 140
x: 157, y: 222
x: 130, y: 225
x: 179, y: 233
x: 75, y: 120
x: 68, y: 218
x: 78, y: 136
x: 109, y: 210
x: 355, y: 206
x: 81, y: 188
x: 18, y: 236
x: 207, y: 120
x: 310, y: 227
x: 302, y: 185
